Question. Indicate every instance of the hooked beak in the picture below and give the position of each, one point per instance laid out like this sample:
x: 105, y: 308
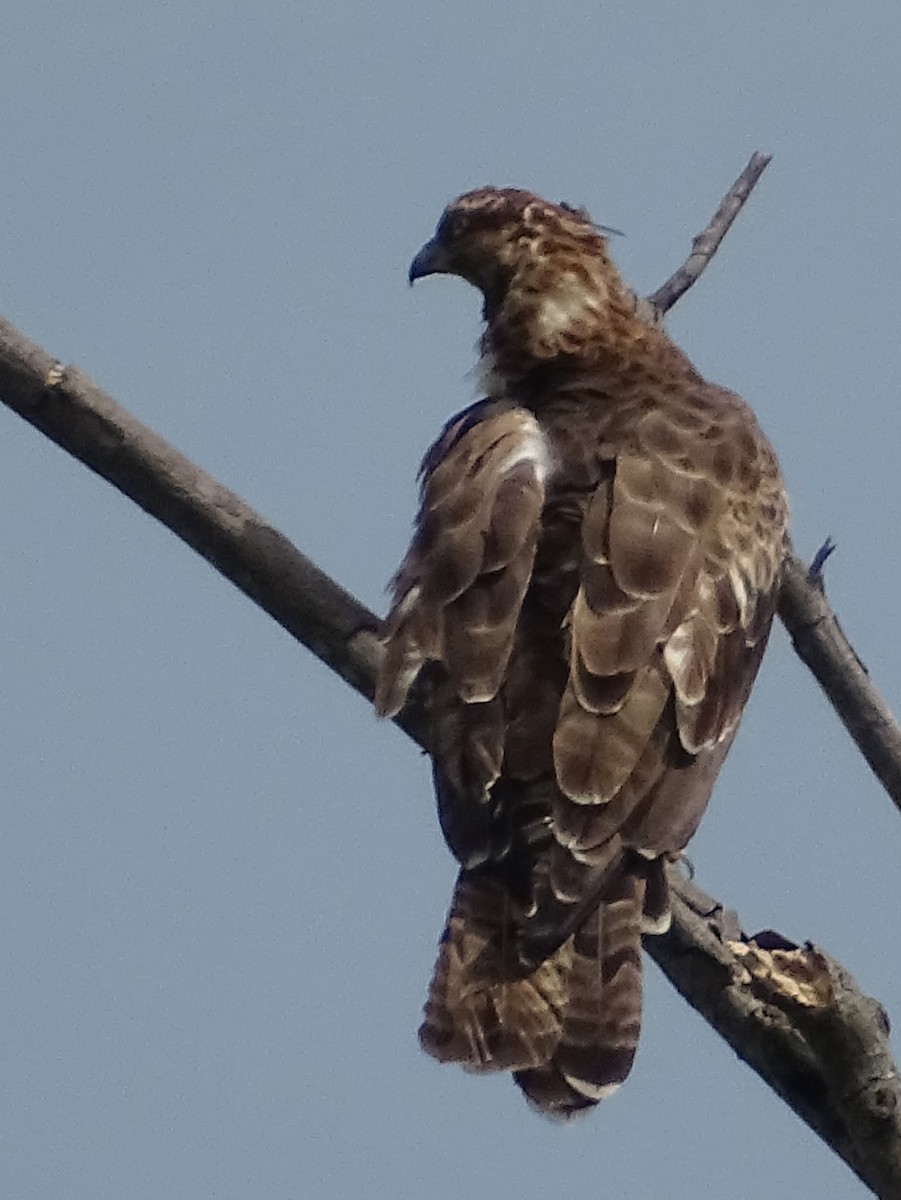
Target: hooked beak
x: 432, y: 259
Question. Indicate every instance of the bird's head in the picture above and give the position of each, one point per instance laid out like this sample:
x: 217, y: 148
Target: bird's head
x: 542, y: 268
x: 490, y: 235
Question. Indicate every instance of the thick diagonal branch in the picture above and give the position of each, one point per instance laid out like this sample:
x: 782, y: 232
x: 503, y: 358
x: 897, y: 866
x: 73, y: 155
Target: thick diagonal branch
x: 799, y: 1020
x: 73, y: 412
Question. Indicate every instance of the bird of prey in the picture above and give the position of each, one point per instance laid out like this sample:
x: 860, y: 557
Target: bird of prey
x: 588, y: 593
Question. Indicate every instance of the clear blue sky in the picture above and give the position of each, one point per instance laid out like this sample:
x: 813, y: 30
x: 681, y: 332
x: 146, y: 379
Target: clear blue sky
x: 221, y: 880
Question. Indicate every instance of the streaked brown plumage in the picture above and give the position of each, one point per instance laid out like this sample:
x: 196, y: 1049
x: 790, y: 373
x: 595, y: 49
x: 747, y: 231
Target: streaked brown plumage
x: 592, y: 579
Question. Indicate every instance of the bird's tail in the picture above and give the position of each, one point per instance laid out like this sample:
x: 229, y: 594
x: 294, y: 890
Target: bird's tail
x: 602, y: 1020
x: 569, y: 1030
x: 480, y: 1011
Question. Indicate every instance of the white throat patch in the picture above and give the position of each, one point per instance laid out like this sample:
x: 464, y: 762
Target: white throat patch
x: 567, y: 304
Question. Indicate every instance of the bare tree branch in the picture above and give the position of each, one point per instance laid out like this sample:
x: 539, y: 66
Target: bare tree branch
x: 84, y: 420
x: 821, y: 1046
x: 796, y: 1017
x: 821, y: 644
x: 705, y: 244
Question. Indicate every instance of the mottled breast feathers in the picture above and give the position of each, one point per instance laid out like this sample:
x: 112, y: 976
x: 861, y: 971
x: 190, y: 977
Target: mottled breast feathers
x: 593, y: 576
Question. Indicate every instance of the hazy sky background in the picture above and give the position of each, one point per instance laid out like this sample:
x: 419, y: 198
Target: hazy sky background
x: 221, y: 880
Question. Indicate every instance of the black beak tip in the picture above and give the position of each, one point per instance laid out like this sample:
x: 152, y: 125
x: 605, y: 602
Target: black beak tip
x: 429, y: 261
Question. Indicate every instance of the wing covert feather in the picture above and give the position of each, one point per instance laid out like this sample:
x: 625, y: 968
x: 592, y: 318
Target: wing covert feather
x: 458, y: 593
x: 665, y: 637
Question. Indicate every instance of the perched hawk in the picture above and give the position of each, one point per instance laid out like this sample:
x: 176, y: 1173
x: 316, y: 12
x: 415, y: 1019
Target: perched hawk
x: 590, y: 588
